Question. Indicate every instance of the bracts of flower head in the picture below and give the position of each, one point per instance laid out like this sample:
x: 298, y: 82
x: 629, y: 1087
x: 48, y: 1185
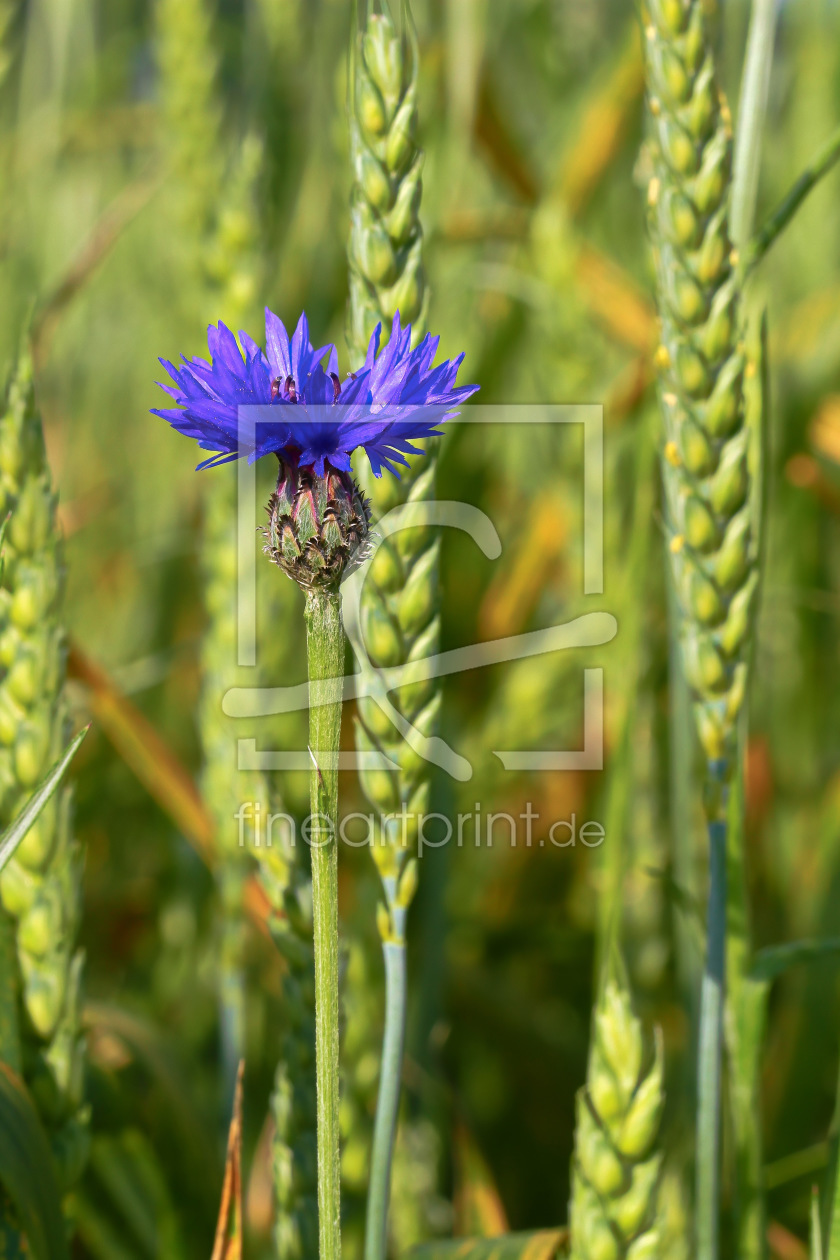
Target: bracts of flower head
x: 40, y: 886
x: 284, y: 401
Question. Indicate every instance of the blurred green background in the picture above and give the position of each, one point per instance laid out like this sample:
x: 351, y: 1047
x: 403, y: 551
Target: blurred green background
x: 531, y: 118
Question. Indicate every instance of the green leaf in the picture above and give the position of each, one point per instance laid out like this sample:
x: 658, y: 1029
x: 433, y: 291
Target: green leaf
x: 27, y: 1171
x: 770, y: 963
x: 13, y: 835
x: 542, y: 1244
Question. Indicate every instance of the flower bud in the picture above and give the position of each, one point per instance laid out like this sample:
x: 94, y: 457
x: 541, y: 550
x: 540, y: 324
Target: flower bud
x: 377, y: 721
x: 382, y: 51
x: 373, y: 179
x: 406, y: 296
x: 737, y: 625
x: 705, y: 666
x: 733, y: 558
x: 620, y: 1036
x: 35, y: 590
x: 419, y: 596
x: 31, y: 521
x: 408, y: 884
x: 704, y: 601
x: 633, y: 1211
x: 703, y: 105
x: 30, y: 751
x: 379, y: 786
x: 729, y: 485
x: 713, y: 255
x: 385, y: 570
x: 709, y: 184
x: 25, y: 680
x: 401, y: 220
x: 42, y: 926
x: 670, y: 15
x: 371, y: 246
x: 692, y: 371
x: 670, y: 74
x: 721, y: 415
x: 381, y: 633
x: 370, y: 108
x: 699, y: 525
x: 17, y: 888
x: 415, y: 695
x: 717, y: 336
x: 641, y: 1123
x: 646, y: 1247
x: 678, y: 219
x: 401, y: 144
x: 44, y: 987
x: 678, y: 147
x: 598, y: 1160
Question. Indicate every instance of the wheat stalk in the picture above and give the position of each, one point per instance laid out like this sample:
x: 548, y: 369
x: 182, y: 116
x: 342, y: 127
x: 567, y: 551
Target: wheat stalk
x: 41, y: 885
x: 400, y: 601
x: 711, y: 512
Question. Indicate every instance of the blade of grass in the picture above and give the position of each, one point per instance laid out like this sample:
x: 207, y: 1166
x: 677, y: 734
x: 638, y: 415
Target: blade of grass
x: 12, y: 836
x: 27, y: 1171
x: 755, y: 89
x: 773, y: 226
x: 228, y: 1241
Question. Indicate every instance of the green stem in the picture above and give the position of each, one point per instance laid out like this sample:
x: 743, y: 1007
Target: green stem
x: 325, y: 652
x: 745, y: 1022
x: 231, y: 978
x: 834, y: 1232
x: 711, y: 1032
x: 825, y: 159
x: 387, y: 1103
x: 751, y: 112
x: 684, y: 837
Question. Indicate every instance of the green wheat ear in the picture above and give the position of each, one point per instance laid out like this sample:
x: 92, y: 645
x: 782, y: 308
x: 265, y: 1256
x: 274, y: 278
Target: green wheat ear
x: 40, y: 887
x: 386, y: 240
x: 400, y: 599
x: 616, y: 1166
x: 702, y: 364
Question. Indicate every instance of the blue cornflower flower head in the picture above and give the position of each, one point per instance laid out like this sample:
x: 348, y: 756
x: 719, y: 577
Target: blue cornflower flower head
x: 289, y: 400
x: 307, y: 416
